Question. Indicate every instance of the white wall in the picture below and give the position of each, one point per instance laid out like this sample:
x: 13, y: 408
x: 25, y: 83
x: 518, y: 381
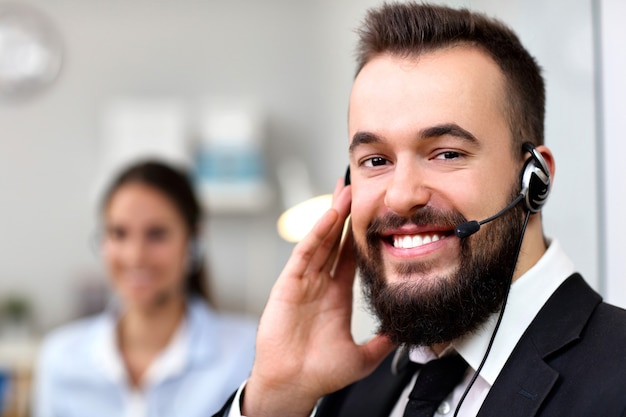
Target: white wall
x: 187, y: 50
x: 296, y: 58
x: 559, y: 34
x: 613, y: 33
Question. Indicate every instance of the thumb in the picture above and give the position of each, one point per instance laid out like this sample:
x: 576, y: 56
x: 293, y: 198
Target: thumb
x: 374, y: 351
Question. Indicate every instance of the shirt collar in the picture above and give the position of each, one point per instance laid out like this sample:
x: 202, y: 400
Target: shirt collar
x: 169, y: 362
x: 527, y: 296
x: 106, y: 353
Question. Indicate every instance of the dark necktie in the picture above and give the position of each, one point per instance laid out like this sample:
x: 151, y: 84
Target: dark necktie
x: 436, y: 379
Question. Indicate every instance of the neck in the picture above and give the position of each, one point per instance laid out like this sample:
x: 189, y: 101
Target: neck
x: 533, y: 247
x: 439, y: 348
x: 144, y: 333
x: 151, y: 327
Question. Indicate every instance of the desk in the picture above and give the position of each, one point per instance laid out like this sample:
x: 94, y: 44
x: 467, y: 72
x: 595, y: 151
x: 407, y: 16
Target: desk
x: 17, y: 360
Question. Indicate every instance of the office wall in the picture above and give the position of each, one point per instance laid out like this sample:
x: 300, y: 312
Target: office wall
x: 296, y: 59
x: 282, y: 54
x: 612, y: 57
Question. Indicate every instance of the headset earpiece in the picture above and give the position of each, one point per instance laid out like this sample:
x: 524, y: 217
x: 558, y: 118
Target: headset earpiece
x: 346, y: 178
x: 535, y: 179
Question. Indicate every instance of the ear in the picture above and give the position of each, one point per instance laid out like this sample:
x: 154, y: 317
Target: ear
x: 195, y: 251
x: 549, y: 158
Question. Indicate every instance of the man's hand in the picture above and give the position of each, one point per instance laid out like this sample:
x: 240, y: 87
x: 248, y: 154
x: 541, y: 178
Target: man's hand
x: 304, y: 346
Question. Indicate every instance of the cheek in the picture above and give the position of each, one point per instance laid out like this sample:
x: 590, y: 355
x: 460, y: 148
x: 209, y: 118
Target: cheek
x: 488, y: 195
x: 466, y: 192
x: 109, y: 255
x: 365, y: 207
x: 170, y: 256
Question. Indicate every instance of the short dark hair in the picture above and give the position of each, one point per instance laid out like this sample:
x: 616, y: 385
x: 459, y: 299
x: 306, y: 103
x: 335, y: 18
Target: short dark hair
x: 177, y: 186
x: 410, y: 29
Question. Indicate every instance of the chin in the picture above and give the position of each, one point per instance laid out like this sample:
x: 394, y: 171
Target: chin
x: 418, y: 273
x: 139, y: 298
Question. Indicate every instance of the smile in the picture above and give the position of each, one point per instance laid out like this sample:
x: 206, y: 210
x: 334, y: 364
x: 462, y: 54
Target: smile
x: 414, y: 241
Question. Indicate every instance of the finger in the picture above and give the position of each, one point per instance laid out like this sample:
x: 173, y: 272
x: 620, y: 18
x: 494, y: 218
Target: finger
x: 345, y: 266
x: 342, y: 199
x: 327, y: 250
x: 319, y: 246
x: 304, y: 252
x: 338, y: 187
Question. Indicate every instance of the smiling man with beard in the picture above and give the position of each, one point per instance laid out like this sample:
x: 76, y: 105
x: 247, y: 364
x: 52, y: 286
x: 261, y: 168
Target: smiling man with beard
x: 445, y: 125
x: 424, y: 314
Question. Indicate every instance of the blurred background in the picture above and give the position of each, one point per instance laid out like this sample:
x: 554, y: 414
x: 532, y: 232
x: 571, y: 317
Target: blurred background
x: 262, y: 88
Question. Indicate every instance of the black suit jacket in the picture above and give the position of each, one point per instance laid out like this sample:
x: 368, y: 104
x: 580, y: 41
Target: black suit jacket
x: 570, y: 362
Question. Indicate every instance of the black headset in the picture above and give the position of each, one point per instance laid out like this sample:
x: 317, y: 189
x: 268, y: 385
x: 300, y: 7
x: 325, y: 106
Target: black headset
x: 536, y: 179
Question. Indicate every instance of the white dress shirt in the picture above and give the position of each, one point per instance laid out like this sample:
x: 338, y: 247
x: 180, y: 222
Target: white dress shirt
x: 527, y: 296
x: 168, y: 364
x: 81, y: 373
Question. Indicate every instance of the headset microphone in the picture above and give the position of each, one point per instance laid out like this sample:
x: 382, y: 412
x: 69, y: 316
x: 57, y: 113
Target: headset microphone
x: 535, y: 188
x: 467, y: 229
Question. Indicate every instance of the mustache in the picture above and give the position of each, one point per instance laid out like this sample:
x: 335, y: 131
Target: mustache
x: 423, y: 216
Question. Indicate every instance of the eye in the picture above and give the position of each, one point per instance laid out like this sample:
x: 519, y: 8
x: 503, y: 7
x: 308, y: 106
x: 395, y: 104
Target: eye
x: 448, y: 155
x: 375, y: 161
x: 156, y: 234
x: 115, y: 233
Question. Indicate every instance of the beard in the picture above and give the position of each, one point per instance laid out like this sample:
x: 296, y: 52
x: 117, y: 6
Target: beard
x: 438, y: 309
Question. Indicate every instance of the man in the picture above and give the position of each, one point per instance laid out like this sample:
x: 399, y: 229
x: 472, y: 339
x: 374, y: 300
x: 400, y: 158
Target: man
x: 445, y: 125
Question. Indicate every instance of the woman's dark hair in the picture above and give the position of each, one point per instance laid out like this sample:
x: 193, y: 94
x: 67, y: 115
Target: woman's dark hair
x: 176, y: 185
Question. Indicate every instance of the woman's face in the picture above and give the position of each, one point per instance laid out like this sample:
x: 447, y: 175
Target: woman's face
x: 145, y: 246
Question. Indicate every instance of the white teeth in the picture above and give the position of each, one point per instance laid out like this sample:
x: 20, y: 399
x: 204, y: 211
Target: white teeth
x: 408, y: 242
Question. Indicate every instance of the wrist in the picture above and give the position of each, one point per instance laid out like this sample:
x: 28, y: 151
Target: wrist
x: 263, y: 400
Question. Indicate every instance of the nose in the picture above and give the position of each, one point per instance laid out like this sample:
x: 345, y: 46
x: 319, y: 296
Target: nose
x: 407, y: 190
x: 134, y: 252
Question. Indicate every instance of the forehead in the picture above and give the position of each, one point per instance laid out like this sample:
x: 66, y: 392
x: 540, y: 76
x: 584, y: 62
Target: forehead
x: 141, y: 203
x: 459, y: 85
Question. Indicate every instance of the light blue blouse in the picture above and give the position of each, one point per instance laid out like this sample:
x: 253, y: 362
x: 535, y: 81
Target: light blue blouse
x: 79, y: 372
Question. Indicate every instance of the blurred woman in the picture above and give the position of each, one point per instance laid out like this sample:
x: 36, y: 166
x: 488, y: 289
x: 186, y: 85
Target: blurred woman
x: 161, y: 350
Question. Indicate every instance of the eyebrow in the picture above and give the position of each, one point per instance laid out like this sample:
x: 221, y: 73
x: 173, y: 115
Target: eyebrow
x: 363, y: 138
x: 451, y: 129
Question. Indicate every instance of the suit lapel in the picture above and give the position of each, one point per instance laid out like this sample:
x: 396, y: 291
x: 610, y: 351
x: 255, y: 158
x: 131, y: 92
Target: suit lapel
x: 527, y: 379
x: 521, y: 387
